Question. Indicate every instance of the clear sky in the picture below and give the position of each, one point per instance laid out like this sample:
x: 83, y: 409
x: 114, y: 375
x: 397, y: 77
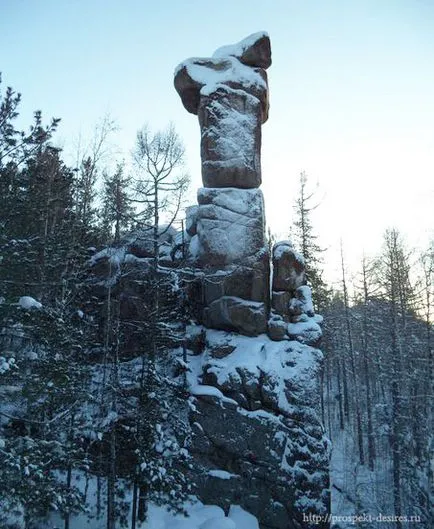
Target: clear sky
x: 351, y: 92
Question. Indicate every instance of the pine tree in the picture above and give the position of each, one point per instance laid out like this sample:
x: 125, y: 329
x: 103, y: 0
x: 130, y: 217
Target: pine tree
x: 118, y: 211
x: 306, y: 240
x: 43, y: 437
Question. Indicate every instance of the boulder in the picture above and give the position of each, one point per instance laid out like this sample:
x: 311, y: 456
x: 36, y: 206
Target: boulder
x: 254, y: 50
x: 302, y: 303
x: 198, y: 77
x: 277, y: 329
x: 280, y: 302
x: 249, y: 281
x: 306, y: 332
x: 141, y: 242
x: 230, y: 121
x: 230, y: 226
x: 219, y: 348
x: 195, y: 339
x: 236, y: 314
x: 257, y: 422
x: 288, y: 268
x: 191, y: 220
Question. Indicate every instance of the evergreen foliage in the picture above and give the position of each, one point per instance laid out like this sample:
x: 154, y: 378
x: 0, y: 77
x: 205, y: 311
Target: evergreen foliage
x: 74, y: 407
x: 306, y: 241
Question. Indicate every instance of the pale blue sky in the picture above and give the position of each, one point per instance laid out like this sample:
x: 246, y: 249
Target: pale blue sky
x: 352, y: 94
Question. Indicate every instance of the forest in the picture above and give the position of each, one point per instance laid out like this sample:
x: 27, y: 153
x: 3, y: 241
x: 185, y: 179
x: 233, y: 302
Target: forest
x: 93, y: 355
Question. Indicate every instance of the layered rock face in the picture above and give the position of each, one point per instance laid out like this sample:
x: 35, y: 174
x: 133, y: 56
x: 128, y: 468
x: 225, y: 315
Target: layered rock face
x: 229, y: 93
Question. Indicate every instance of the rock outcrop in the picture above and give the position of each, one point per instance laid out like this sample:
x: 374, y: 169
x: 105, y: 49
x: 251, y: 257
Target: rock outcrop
x: 256, y: 433
x: 229, y: 94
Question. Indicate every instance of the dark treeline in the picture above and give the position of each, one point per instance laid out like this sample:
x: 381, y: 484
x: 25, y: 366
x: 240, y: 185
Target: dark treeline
x: 84, y: 401
x: 377, y: 402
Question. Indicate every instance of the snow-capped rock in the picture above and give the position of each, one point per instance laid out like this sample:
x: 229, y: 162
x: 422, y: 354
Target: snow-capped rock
x: 28, y: 303
x: 255, y: 415
x: 288, y: 267
x: 229, y: 93
x: 232, y: 313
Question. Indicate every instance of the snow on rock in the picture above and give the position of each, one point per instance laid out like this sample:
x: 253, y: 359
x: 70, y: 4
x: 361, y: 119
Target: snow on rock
x: 201, y: 390
x: 28, y: 303
x: 230, y: 225
x: 277, y: 328
x: 231, y: 143
x: 288, y: 267
x: 222, y: 474
x: 229, y: 93
x: 6, y: 364
x: 302, y: 302
x: 272, y: 438
x: 232, y: 313
x: 242, y: 518
x: 254, y: 50
x: 308, y: 332
x: 136, y: 250
x: 191, y: 220
x: 158, y: 517
x: 218, y: 523
x: 207, y: 75
x: 291, y: 299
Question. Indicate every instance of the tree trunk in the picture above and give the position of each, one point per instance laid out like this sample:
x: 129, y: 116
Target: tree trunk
x: 134, y: 506
x: 111, y: 483
x: 353, y: 364
x: 68, y: 486
x: 340, y: 406
x: 142, y: 507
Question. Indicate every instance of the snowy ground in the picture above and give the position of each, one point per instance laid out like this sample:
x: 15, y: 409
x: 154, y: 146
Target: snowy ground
x: 358, y: 496
x: 200, y: 516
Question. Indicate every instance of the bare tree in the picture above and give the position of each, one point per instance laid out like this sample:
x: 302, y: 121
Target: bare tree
x: 89, y: 165
x: 350, y: 342
x: 160, y: 183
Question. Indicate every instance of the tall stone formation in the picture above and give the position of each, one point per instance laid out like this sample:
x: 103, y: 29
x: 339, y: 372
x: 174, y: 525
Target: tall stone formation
x: 229, y: 94
x: 257, y: 440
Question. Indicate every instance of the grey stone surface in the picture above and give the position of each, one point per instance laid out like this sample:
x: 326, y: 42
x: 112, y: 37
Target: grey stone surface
x: 230, y: 226
x: 288, y: 268
x: 235, y: 314
x: 225, y: 162
x: 229, y: 93
x: 191, y: 220
x: 270, y: 441
x: 280, y: 302
x: 248, y: 281
x: 277, y: 329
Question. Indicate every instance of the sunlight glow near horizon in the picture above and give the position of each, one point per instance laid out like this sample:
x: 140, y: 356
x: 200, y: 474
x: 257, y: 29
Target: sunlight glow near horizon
x: 351, y: 91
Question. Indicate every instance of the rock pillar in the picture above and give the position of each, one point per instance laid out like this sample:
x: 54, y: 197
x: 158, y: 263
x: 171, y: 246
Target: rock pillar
x: 229, y: 94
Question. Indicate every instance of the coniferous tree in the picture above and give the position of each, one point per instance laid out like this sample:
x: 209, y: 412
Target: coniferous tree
x: 118, y: 211
x: 306, y: 240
